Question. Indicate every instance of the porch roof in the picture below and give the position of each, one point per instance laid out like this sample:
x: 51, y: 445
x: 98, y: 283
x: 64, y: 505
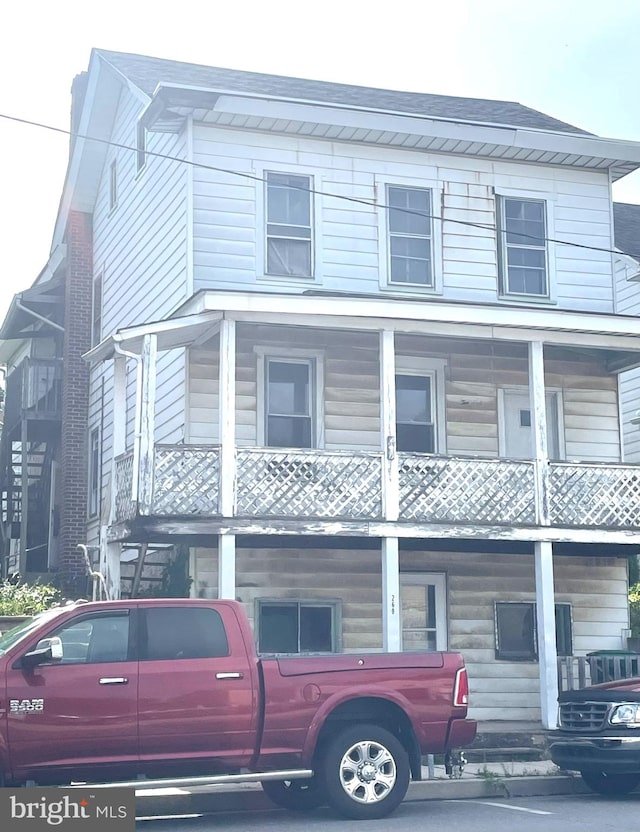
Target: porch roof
x: 199, y: 316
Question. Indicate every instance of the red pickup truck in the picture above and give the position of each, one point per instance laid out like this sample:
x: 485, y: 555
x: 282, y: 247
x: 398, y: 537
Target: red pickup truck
x: 173, y: 688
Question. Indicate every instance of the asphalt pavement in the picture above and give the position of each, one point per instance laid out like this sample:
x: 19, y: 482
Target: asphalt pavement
x: 495, y: 779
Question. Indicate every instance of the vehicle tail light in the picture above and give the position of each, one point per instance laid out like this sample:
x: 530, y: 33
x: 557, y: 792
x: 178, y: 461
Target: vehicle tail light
x: 461, y: 689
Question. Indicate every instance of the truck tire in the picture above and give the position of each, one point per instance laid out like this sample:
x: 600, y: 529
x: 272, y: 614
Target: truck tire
x: 610, y: 784
x: 365, y: 770
x: 296, y: 795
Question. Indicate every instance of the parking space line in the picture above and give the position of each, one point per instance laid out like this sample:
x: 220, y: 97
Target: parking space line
x: 515, y: 808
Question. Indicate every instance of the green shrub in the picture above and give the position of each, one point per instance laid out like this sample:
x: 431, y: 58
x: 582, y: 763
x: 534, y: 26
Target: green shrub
x: 27, y: 599
x: 634, y: 609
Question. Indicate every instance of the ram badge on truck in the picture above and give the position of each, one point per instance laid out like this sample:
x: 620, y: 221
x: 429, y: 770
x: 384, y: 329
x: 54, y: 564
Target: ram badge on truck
x: 173, y: 688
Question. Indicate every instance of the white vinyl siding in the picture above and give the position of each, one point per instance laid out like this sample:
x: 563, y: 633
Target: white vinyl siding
x: 350, y: 237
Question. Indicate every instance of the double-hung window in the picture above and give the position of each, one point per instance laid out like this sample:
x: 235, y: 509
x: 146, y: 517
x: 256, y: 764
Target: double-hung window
x: 289, y: 400
x: 415, y: 420
x: 289, y: 235
x: 522, y: 239
x: 409, y: 236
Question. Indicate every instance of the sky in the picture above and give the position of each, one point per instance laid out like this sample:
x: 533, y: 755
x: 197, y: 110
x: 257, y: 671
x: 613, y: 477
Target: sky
x: 577, y: 60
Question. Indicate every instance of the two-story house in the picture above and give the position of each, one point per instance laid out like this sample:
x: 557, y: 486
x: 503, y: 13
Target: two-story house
x: 356, y: 353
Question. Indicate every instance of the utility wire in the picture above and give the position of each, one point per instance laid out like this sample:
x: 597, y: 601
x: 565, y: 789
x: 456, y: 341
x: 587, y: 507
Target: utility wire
x: 358, y: 200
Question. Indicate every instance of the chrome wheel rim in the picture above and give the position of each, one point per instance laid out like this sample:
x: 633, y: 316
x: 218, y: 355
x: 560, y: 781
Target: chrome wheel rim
x: 367, y: 772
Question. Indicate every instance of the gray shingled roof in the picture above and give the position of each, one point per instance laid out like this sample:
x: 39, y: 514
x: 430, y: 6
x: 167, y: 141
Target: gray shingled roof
x: 146, y: 73
x: 626, y: 227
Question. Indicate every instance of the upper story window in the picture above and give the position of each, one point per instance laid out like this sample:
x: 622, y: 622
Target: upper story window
x: 113, y: 185
x: 522, y: 240
x: 415, y: 418
x: 409, y: 241
x: 289, y: 237
x: 289, y: 403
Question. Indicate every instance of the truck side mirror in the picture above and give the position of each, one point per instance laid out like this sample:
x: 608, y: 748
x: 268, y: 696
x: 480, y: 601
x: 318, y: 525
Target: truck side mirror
x: 46, y: 650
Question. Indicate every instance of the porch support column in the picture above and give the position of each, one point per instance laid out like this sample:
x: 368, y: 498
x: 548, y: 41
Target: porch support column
x: 546, y: 625
x: 390, y: 483
x: 391, y: 640
x: 110, y: 552
x: 227, y: 566
x: 227, y: 418
x: 111, y: 568
x: 538, y: 400
x: 147, y: 422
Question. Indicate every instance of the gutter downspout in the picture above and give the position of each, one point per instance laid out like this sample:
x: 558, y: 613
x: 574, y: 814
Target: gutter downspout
x: 137, y: 430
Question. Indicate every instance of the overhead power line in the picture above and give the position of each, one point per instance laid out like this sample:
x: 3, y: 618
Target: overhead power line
x: 371, y: 203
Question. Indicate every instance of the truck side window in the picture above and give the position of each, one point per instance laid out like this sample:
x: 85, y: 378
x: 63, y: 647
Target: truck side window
x: 97, y: 639
x: 183, y: 633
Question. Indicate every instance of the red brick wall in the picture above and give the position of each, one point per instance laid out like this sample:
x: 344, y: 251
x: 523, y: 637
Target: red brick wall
x: 75, y: 401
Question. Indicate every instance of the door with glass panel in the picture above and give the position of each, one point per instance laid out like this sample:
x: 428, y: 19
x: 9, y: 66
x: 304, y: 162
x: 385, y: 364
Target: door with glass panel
x: 423, y: 610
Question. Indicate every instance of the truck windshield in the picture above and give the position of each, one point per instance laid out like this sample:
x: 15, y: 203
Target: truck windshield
x: 16, y: 634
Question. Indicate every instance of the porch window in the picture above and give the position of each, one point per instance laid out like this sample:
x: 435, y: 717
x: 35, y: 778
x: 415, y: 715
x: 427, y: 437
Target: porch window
x: 415, y: 428
x: 522, y: 229
x: 409, y: 236
x: 94, y: 472
x: 289, y: 225
x: 297, y: 626
x: 516, y: 631
x: 289, y: 403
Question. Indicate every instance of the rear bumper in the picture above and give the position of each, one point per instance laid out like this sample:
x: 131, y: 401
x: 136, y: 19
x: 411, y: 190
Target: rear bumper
x: 613, y: 754
x: 462, y: 732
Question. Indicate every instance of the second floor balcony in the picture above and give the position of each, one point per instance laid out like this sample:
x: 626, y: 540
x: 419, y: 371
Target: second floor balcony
x: 290, y: 484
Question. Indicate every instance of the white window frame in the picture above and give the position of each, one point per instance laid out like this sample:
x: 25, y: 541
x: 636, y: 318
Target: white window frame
x: 94, y: 473
x: 534, y: 655
x: 315, y: 360
x: 384, y: 253
x: 334, y: 604
x: 315, y: 182
x: 435, y: 368
x: 550, y: 256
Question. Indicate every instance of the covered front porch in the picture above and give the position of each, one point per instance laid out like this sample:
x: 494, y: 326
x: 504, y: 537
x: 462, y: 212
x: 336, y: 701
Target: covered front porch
x: 355, y: 477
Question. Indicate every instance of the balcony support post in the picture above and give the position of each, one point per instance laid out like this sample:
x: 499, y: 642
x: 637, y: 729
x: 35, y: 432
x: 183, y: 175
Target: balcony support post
x: 391, y: 630
x: 147, y: 422
x: 537, y: 396
x: 118, y: 441
x: 227, y: 417
x: 227, y: 566
x: 546, y: 628
x: 24, y: 497
x: 390, y: 474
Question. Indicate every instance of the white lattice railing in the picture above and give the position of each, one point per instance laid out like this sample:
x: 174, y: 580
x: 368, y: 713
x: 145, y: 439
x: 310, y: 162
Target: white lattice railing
x: 292, y: 483
x: 125, y: 508
x: 457, y: 490
x: 594, y: 494
x: 186, y: 479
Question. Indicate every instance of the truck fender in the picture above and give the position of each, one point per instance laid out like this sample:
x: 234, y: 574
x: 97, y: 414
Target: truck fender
x: 342, y: 697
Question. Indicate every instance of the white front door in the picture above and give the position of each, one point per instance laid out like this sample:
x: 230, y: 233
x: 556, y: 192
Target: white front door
x: 516, y: 435
x: 423, y: 610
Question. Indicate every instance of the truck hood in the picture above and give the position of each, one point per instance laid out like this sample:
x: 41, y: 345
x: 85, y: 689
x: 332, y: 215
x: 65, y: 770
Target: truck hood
x: 630, y: 688
x: 300, y: 665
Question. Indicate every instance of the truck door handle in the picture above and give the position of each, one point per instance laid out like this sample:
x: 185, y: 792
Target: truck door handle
x: 229, y: 675
x: 113, y: 680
